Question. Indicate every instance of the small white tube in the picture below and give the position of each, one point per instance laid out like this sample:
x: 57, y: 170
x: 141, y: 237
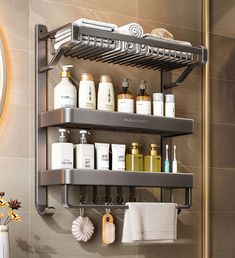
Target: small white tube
x: 118, y: 156
x: 102, y: 156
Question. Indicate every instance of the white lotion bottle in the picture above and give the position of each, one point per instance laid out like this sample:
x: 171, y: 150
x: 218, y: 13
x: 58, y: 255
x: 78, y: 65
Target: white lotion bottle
x: 106, y: 101
x: 62, y: 152
x: 85, y: 156
x: 65, y: 93
x: 87, y: 95
x: 169, y: 105
x: 143, y: 101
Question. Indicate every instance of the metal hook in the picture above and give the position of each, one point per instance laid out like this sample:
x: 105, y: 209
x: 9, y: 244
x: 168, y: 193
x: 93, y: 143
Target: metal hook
x: 108, y: 210
x: 81, y: 210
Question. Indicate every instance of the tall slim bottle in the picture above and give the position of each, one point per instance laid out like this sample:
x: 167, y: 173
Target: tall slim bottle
x: 134, y: 160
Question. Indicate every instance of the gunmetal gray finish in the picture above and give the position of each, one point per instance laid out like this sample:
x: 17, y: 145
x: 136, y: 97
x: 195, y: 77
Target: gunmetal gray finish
x: 114, y: 178
x: 3, y: 87
x: 95, y: 119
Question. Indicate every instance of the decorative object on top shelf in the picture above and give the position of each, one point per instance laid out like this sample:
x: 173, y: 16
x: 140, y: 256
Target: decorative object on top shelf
x: 13, y: 206
x: 3, y: 75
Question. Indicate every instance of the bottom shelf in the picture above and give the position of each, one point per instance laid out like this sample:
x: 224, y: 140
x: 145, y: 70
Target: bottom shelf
x: 114, y: 178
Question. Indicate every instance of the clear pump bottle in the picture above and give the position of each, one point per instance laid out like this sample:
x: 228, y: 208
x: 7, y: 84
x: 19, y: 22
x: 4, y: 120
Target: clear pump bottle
x: 143, y: 101
x: 125, y: 100
x: 152, y: 162
x: 62, y: 152
x: 84, y: 152
x: 134, y: 160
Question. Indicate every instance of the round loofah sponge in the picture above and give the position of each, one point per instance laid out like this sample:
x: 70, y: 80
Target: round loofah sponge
x: 82, y: 229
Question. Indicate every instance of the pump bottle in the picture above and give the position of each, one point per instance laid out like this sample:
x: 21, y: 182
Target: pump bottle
x: 65, y: 93
x: 134, y: 160
x: 152, y: 162
x: 125, y: 100
x: 143, y: 101
x: 84, y: 152
x: 62, y: 152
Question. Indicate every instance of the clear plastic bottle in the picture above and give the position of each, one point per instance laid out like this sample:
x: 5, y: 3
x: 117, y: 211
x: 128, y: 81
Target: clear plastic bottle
x: 152, y: 162
x: 134, y: 160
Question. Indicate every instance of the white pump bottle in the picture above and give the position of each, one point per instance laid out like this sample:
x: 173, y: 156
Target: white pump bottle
x: 65, y: 93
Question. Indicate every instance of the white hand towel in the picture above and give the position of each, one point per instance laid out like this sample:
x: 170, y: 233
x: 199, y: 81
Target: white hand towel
x: 150, y: 223
x: 133, y: 29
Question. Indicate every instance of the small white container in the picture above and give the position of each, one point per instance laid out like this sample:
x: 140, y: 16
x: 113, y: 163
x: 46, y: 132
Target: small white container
x: 106, y: 101
x: 118, y: 156
x: 102, y: 156
x: 87, y: 95
x: 62, y: 152
x: 4, y: 242
x: 169, y: 105
x: 158, y: 104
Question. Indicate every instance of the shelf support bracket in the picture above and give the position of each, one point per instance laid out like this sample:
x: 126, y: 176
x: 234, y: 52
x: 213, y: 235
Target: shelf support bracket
x: 41, y: 195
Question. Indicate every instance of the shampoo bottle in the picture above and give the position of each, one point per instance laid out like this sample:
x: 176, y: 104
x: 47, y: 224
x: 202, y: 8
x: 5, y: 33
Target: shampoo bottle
x: 143, y: 101
x: 65, y: 93
x: 134, y: 160
x: 62, y: 152
x: 125, y: 100
x: 152, y: 162
x: 87, y: 96
x: 106, y: 94
x: 84, y: 152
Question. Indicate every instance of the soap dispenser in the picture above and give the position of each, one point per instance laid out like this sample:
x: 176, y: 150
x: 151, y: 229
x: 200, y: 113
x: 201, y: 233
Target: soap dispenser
x: 62, y: 152
x: 84, y: 152
x: 125, y: 100
x: 134, y: 160
x: 65, y: 93
x: 143, y: 101
x: 152, y: 162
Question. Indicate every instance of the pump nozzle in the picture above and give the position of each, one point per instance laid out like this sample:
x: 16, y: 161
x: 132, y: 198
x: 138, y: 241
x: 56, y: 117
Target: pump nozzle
x: 83, y: 138
x: 125, y: 83
x: 63, y: 134
x: 65, y: 71
x: 142, y: 85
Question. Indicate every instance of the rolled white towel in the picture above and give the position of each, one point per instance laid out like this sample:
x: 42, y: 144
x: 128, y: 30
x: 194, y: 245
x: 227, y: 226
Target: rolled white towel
x: 133, y: 29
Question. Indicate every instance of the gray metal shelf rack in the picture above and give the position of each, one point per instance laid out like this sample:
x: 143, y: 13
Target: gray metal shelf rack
x: 109, y: 47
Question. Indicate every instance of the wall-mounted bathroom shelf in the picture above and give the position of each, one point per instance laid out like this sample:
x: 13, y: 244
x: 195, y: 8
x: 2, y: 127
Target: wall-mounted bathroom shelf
x: 95, y: 119
x: 98, y: 45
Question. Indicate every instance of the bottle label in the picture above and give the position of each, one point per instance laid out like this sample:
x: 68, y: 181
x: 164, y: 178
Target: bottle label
x: 106, y: 97
x: 87, y: 97
x: 118, y: 162
x: 170, y: 109
x: 126, y: 105
x: 143, y: 107
x: 103, y: 162
x: 66, y: 100
x: 158, y: 108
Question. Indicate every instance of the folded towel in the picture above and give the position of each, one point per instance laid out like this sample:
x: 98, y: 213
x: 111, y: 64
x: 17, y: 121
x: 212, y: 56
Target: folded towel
x: 133, y: 29
x: 150, y: 223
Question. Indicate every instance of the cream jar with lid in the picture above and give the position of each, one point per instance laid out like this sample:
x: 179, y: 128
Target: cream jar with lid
x: 87, y: 94
x: 106, y: 101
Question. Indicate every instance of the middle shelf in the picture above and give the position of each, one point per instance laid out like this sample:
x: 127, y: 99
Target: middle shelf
x: 114, y: 178
x: 96, y: 119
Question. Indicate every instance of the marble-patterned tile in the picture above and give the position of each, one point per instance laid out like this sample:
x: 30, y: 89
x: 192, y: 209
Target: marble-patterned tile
x: 222, y: 101
x: 14, y: 20
x: 14, y: 132
x: 15, y: 180
x: 185, y: 14
x: 128, y: 8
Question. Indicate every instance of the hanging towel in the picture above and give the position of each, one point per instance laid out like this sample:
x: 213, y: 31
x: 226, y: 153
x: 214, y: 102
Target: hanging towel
x: 133, y: 29
x: 150, y: 223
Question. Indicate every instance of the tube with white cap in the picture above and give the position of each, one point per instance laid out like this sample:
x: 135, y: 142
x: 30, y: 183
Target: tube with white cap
x: 102, y: 156
x: 118, y: 156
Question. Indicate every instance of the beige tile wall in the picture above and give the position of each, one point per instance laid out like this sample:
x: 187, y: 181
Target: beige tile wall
x: 51, y: 237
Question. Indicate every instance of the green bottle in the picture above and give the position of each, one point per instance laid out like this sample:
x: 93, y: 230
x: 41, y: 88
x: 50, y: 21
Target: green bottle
x: 152, y: 162
x: 134, y: 161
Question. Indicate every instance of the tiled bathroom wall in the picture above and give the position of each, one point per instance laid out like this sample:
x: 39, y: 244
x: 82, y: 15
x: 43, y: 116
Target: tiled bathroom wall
x: 51, y: 237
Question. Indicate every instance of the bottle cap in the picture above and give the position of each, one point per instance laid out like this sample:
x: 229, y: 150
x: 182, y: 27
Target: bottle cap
x: 142, y: 85
x: 105, y: 78
x: 153, y: 149
x: 87, y: 77
x: 170, y: 98
x: 125, y: 83
x: 63, y: 134
x: 135, y: 148
x: 157, y: 96
x: 83, y: 138
x: 65, y: 73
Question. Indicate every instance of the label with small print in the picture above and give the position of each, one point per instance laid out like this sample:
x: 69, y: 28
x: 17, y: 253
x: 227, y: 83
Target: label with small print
x: 170, y: 109
x: 103, y: 162
x: 158, y: 108
x: 143, y: 107
x: 68, y: 101
x: 126, y: 105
